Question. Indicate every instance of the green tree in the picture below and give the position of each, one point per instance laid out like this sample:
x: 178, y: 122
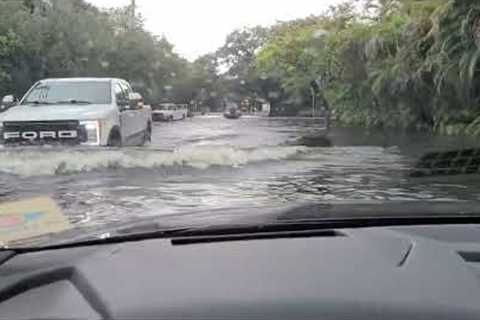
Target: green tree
x: 57, y: 38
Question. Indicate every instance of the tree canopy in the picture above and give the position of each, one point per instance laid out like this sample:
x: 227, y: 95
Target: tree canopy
x: 40, y: 39
x: 412, y: 64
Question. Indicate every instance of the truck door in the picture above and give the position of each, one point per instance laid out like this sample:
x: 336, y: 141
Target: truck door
x: 126, y: 115
x: 138, y: 116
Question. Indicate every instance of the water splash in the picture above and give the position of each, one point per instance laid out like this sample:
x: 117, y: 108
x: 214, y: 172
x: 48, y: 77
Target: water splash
x: 47, y: 162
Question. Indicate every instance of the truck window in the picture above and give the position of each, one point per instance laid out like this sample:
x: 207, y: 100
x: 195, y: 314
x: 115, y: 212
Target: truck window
x: 120, y: 94
x: 126, y: 87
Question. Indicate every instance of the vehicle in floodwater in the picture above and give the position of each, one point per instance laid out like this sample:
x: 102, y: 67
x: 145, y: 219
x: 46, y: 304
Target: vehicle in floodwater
x: 169, y: 112
x: 77, y: 111
x: 232, y: 111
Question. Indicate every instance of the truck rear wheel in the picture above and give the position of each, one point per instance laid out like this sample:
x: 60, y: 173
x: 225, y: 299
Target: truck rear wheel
x: 115, y: 139
x: 147, y: 134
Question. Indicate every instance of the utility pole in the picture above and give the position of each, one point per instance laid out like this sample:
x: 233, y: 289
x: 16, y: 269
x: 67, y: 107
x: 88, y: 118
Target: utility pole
x: 314, y: 101
x: 133, y: 7
x: 314, y: 89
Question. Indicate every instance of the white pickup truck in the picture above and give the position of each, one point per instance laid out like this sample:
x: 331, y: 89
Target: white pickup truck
x: 77, y: 111
x: 169, y: 112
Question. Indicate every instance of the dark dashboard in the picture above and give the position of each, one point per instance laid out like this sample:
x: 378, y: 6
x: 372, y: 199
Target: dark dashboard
x: 410, y: 272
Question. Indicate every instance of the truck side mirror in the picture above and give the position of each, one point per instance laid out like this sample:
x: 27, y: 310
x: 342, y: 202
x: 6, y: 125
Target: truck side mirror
x: 124, y: 107
x: 135, y: 100
x: 8, y: 100
x: 123, y: 104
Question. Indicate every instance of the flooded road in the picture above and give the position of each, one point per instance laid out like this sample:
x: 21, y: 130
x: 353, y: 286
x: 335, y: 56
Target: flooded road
x: 209, y: 163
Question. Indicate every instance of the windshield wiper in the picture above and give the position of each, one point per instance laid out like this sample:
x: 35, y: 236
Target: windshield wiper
x: 119, y: 236
x: 288, y: 229
x: 73, y: 101
x: 325, y: 219
x: 37, y: 102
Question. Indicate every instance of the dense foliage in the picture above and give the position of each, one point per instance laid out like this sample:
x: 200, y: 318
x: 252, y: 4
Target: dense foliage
x: 409, y: 63
x: 377, y: 63
x: 40, y: 39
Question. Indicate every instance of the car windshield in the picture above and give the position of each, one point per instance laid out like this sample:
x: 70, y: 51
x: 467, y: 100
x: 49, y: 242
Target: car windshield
x: 161, y: 107
x: 55, y: 92
x: 271, y: 106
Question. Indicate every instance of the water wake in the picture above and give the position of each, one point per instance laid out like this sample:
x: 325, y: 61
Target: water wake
x: 44, y: 162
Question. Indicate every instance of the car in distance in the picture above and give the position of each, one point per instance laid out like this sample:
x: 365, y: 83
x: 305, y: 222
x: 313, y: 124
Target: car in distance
x: 169, y: 112
x: 77, y: 111
x: 232, y: 111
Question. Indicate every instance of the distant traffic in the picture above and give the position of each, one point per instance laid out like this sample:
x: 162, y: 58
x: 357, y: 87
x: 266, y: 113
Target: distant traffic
x: 169, y: 112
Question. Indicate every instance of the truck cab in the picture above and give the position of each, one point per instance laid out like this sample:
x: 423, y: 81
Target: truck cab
x: 77, y: 111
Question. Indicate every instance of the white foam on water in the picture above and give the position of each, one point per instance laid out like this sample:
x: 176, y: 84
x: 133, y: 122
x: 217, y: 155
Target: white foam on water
x: 44, y: 162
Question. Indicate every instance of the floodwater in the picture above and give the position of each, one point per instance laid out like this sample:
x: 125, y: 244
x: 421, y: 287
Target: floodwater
x: 211, y: 163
